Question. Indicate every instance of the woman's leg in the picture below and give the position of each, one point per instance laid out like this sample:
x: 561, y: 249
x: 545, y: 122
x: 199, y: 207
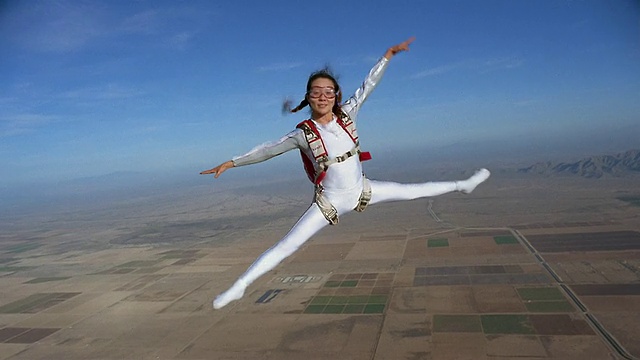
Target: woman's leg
x: 310, y: 223
x: 389, y: 191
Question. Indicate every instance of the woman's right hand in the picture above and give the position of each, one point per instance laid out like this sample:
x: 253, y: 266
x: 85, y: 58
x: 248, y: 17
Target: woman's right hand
x: 218, y: 169
x: 404, y: 46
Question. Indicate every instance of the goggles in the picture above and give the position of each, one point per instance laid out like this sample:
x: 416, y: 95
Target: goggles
x: 316, y: 92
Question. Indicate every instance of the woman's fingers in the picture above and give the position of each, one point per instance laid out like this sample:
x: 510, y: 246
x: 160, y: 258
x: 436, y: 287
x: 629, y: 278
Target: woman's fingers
x: 218, y: 169
x: 404, y: 46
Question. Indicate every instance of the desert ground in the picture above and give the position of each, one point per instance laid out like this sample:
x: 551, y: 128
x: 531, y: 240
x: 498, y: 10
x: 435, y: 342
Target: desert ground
x: 525, y: 267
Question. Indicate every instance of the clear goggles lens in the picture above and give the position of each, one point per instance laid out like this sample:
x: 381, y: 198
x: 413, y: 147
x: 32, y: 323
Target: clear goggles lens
x: 328, y: 92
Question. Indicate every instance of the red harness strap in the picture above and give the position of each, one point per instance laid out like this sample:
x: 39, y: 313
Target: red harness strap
x: 350, y: 128
x: 316, y: 168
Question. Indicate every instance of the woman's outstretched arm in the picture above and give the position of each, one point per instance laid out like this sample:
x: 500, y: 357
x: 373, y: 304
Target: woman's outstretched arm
x: 293, y: 140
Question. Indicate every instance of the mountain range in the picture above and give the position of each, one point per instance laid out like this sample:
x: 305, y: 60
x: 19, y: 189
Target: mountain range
x: 621, y: 164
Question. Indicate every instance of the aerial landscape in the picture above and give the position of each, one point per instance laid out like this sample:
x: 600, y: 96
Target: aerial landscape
x: 528, y: 266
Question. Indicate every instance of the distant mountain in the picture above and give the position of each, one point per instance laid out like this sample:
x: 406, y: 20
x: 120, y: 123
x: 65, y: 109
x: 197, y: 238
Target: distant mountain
x: 621, y: 164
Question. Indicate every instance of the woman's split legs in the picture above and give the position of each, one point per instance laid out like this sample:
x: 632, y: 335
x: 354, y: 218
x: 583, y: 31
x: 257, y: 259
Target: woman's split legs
x: 313, y: 220
x: 310, y: 223
x: 382, y: 191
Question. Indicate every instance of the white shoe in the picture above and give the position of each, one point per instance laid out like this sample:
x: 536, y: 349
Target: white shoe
x: 467, y: 186
x: 234, y: 293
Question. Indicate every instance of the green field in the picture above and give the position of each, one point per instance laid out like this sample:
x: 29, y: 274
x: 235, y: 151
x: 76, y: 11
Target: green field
x: 19, y: 248
x: 633, y: 200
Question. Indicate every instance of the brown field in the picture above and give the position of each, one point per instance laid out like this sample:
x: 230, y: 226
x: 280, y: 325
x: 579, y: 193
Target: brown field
x: 525, y: 267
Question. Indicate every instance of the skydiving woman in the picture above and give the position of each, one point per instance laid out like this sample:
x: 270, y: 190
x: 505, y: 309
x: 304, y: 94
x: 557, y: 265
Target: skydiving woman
x: 328, y: 144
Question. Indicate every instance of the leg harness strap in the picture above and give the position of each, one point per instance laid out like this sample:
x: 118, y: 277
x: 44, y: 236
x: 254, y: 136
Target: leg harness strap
x: 365, y: 197
x: 329, y: 211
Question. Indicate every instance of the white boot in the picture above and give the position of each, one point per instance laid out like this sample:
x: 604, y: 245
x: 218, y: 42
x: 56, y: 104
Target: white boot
x: 467, y: 186
x: 234, y: 293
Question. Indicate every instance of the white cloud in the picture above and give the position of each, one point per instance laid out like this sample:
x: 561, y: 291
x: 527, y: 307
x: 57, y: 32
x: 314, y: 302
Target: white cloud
x: 19, y: 116
x: 477, y: 65
x: 146, y: 22
x: 497, y: 64
x: 280, y: 66
x: 180, y: 40
x: 13, y: 125
x: 526, y: 102
x: 66, y: 26
x: 173, y: 27
x: 55, y: 26
x: 105, y: 92
x: 8, y: 100
x: 439, y: 70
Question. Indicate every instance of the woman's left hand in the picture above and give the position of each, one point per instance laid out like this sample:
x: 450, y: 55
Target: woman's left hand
x: 404, y: 46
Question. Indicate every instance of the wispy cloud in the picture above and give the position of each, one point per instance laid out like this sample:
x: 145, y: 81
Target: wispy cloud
x: 56, y: 26
x: 24, y: 97
x: 145, y: 22
x: 174, y: 27
x: 104, y: 92
x: 580, y: 24
x: 19, y: 116
x: 66, y: 26
x: 439, y: 70
x: 356, y: 60
x: 19, y: 124
x: 526, y: 102
x: 181, y: 40
x: 8, y: 100
x: 496, y: 64
x: 148, y: 129
x: 475, y: 65
x: 280, y: 66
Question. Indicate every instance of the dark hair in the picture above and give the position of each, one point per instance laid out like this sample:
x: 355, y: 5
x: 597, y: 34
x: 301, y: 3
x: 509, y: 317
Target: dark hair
x: 320, y: 74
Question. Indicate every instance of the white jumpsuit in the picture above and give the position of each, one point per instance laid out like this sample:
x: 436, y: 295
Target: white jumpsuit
x: 342, y: 184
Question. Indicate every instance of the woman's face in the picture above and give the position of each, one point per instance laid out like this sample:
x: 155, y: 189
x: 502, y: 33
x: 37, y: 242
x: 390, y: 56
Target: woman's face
x: 321, y: 96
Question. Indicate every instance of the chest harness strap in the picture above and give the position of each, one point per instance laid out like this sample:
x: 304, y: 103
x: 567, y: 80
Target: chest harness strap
x: 316, y: 168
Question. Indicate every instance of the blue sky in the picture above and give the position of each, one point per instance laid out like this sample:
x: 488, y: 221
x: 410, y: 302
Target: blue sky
x: 91, y: 88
